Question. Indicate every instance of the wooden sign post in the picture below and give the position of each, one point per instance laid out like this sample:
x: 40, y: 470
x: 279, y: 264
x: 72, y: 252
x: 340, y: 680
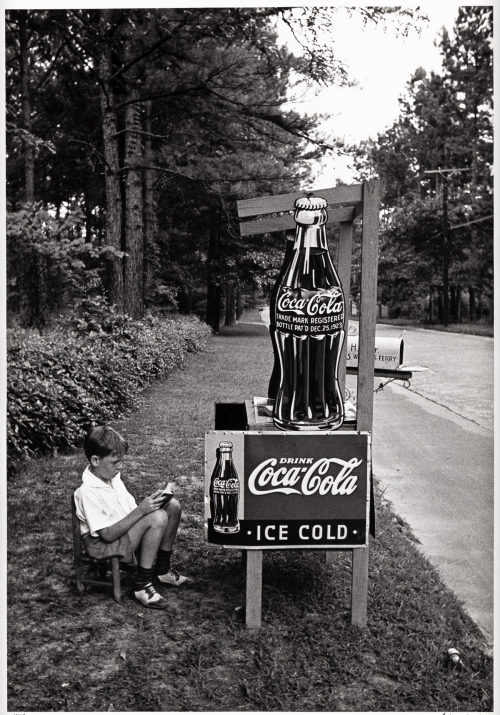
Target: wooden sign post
x: 345, y: 205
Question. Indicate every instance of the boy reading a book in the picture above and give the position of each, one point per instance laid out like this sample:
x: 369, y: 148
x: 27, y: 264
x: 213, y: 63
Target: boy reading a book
x: 112, y: 524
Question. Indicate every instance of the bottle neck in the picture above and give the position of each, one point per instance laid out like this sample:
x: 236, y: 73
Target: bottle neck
x: 310, y: 237
x: 310, y: 231
x: 311, y: 267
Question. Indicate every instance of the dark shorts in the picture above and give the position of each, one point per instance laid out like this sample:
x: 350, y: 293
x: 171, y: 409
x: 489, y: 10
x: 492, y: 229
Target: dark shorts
x: 97, y: 548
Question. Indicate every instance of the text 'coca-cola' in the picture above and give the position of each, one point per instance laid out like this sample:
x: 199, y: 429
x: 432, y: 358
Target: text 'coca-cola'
x: 266, y: 479
x: 306, y: 312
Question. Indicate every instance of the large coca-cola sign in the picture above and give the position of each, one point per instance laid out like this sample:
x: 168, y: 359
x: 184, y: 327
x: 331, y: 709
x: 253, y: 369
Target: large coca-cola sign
x: 306, y: 491
x: 306, y: 313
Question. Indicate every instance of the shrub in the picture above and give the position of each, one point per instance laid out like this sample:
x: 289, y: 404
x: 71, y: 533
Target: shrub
x: 87, y: 370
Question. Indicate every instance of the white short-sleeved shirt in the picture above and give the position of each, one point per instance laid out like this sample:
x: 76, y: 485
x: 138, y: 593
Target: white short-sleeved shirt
x: 101, y: 503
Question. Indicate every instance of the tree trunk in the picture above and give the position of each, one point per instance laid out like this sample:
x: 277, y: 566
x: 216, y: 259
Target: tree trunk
x: 458, y: 304
x: 29, y: 150
x: 112, y: 180
x: 239, y: 304
x: 453, y: 303
x: 150, y: 220
x: 472, y: 304
x: 440, y: 306
x: 133, y: 215
x: 214, y: 291
x: 230, y: 304
x: 88, y: 213
x: 214, y: 304
x: 185, y: 300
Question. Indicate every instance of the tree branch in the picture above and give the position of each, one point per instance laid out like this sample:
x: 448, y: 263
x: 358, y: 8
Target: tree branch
x: 47, y: 74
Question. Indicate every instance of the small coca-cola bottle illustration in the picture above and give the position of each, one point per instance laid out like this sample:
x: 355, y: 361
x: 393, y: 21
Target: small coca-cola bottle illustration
x: 274, y: 381
x: 225, y: 492
x: 309, y: 328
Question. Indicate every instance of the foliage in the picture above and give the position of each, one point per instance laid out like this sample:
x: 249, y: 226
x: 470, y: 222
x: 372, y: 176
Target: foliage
x: 190, y: 105
x: 49, y: 262
x: 88, y: 369
x: 445, y: 124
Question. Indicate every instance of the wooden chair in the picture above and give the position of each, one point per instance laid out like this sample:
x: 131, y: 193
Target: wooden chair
x: 82, y: 559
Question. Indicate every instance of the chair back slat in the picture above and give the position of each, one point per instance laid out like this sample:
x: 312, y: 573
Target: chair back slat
x: 77, y: 534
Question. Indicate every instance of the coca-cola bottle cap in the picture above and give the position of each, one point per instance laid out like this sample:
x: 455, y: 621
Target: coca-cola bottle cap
x: 311, y: 203
x: 225, y: 446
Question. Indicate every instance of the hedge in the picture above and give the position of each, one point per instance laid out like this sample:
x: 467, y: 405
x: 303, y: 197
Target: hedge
x: 87, y: 371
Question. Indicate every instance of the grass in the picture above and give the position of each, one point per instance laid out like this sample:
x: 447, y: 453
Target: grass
x: 485, y: 328
x: 70, y: 653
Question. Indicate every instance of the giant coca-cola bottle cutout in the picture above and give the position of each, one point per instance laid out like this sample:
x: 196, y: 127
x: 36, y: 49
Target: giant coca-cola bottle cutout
x: 309, y: 328
x: 274, y: 381
x: 225, y: 492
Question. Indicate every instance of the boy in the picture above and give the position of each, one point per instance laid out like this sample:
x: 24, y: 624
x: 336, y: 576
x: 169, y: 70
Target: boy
x: 113, y: 525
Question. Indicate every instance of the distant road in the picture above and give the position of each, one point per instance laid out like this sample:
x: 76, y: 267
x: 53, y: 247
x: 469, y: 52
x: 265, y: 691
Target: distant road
x: 433, y: 454
x: 460, y: 373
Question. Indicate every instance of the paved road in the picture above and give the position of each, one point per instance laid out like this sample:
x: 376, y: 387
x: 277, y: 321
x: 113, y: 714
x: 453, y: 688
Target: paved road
x: 460, y: 374
x: 433, y: 453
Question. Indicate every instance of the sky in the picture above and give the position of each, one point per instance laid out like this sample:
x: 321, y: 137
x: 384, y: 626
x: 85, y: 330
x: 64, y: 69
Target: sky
x: 381, y: 63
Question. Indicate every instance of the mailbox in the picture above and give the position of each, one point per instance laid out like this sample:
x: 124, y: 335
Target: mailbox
x: 388, y: 352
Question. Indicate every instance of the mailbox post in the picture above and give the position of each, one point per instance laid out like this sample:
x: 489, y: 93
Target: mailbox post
x: 275, y: 213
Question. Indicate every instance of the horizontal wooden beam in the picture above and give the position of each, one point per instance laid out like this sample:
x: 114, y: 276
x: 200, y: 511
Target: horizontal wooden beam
x: 283, y: 223
x: 285, y: 202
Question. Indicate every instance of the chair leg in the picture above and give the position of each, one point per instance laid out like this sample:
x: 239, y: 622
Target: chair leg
x: 115, y: 573
x: 79, y: 573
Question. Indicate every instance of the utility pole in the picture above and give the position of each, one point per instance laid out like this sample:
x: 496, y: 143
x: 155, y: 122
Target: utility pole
x: 446, y: 241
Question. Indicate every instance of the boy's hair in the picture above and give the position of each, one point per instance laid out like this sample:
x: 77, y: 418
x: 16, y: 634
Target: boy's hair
x: 102, y: 441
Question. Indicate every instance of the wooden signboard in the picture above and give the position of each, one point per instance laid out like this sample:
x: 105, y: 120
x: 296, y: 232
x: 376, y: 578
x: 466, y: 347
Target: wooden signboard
x: 306, y: 491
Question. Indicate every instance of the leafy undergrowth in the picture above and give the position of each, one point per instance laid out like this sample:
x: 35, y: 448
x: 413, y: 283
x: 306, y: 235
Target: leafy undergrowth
x: 86, y: 370
x: 70, y: 653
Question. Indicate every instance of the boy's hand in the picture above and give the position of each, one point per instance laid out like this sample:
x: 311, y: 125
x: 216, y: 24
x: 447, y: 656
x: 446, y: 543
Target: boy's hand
x: 152, y: 502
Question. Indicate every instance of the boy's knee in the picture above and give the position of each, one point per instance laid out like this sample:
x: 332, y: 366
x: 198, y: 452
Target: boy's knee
x: 174, y: 508
x: 158, y: 518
